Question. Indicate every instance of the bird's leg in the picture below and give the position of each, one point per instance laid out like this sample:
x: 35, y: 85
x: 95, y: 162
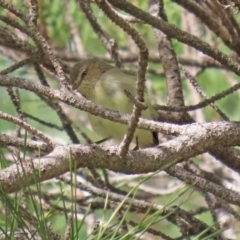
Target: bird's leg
x: 137, y: 146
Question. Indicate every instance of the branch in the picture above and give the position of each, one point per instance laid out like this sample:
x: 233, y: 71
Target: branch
x: 196, y: 139
x: 81, y: 103
x: 173, y: 32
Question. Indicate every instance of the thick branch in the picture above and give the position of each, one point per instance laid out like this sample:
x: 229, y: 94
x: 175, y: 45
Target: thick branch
x: 196, y: 139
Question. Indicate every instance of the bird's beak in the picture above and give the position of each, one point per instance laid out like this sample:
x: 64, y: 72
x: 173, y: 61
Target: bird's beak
x: 76, y: 85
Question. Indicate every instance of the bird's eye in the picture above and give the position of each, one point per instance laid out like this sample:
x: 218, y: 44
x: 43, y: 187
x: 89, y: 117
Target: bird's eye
x: 83, y: 74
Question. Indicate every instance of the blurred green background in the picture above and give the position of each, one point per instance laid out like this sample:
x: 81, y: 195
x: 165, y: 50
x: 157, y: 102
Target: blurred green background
x: 54, y: 26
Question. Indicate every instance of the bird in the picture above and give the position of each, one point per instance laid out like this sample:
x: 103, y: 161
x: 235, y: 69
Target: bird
x: 105, y: 85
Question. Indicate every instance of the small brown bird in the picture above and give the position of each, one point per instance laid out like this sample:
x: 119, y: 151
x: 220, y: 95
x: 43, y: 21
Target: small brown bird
x: 104, y: 84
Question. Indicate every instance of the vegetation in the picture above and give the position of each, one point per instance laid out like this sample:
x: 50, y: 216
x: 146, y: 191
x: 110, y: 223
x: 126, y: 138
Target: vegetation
x: 57, y: 183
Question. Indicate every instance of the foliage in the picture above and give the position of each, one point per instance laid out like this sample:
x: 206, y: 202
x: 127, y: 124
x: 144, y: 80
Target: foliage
x: 89, y: 193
